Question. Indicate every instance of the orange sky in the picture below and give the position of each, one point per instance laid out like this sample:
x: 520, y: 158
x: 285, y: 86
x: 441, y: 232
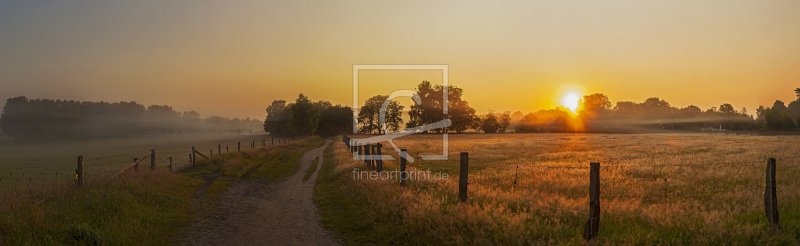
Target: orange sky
x: 232, y: 58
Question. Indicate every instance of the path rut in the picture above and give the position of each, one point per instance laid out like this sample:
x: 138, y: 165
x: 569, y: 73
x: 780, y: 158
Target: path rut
x: 252, y: 212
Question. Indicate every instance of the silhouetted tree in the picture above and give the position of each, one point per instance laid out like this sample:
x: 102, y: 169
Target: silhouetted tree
x: 43, y: 119
x: 335, y: 120
x: 490, y: 123
x: 278, y: 116
x: 369, y: 115
x: 594, y: 105
x: 303, y: 121
x: 459, y: 112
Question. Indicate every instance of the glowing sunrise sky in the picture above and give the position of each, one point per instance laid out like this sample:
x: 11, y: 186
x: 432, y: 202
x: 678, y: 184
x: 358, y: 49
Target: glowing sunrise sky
x: 232, y: 58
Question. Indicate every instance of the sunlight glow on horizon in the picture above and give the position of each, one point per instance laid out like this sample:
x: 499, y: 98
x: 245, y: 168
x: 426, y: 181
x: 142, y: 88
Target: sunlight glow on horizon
x: 232, y: 58
x: 571, y: 101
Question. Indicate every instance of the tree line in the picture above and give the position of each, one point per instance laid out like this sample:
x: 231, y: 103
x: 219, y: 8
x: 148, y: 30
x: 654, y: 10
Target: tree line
x: 596, y: 113
x: 304, y: 117
x: 44, y: 119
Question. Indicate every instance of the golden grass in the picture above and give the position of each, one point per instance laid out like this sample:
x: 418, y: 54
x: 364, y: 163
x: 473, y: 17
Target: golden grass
x: 702, y: 201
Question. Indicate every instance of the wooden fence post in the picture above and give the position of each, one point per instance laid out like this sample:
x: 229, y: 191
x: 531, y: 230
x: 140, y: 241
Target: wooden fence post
x: 227, y: 149
x: 771, y: 196
x: 135, y: 166
x: 219, y: 149
x: 360, y: 151
x: 253, y: 145
x: 210, y: 152
x: 593, y: 225
x: 366, y: 154
x: 170, y: 163
x: 194, y: 157
x: 272, y: 139
x: 79, y: 172
x: 372, y: 152
x: 403, y: 174
x: 152, y: 159
x: 238, y: 146
x: 462, y: 178
x: 380, y: 159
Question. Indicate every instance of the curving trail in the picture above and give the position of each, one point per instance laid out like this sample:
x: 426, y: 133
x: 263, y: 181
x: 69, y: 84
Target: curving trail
x: 252, y: 212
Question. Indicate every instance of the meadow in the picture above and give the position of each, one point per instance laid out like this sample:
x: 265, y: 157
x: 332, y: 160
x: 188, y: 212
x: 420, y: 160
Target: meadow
x: 147, y: 207
x: 34, y: 164
x: 533, y: 189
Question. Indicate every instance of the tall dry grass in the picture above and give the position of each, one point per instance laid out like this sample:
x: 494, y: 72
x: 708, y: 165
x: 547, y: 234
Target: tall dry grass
x: 533, y: 188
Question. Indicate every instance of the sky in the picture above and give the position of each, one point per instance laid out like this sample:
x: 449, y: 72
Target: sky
x: 232, y: 58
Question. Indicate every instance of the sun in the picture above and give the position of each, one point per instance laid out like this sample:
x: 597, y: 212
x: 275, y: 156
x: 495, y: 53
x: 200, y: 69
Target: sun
x: 571, y: 100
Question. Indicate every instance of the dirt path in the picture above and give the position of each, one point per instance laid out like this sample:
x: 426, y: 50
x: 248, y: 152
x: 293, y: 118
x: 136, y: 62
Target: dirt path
x: 252, y: 212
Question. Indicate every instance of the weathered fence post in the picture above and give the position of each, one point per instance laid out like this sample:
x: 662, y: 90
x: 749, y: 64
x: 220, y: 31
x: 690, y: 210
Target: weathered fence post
x: 135, y: 166
x: 238, y: 146
x: 770, y: 196
x: 372, y: 152
x: 367, y: 154
x: 360, y: 151
x: 219, y: 149
x: 272, y: 139
x: 593, y: 225
x: 462, y: 178
x: 170, y: 163
x: 403, y: 174
x: 210, y: 153
x: 253, y: 145
x: 380, y: 158
x: 79, y: 172
x: 152, y: 159
x: 194, y: 157
x: 227, y: 149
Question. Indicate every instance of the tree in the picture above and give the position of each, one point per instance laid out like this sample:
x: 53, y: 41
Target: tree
x: 427, y: 111
x: 490, y: 123
x: 303, y: 121
x: 727, y: 109
x: 369, y: 115
x: 335, y: 120
x: 691, y: 110
x: 594, y: 105
x: 430, y: 111
x: 527, y: 124
x: 43, y: 119
x: 278, y: 116
x: 505, y: 121
x: 517, y: 116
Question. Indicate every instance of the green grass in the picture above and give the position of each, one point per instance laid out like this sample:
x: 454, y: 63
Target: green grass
x: 144, y: 208
x: 341, y: 210
x: 42, y: 163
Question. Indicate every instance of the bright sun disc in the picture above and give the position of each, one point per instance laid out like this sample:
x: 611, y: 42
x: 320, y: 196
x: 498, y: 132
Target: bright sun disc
x: 571, y: 101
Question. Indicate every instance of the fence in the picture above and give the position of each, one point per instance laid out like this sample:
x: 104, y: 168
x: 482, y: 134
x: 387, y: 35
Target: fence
x: 592, y: 225
x: 80, y: 171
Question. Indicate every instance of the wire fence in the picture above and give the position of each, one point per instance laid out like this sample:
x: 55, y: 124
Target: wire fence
x: 664, y: 197
x: 99, y: 164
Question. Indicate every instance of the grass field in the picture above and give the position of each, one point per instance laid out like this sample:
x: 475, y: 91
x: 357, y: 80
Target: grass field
x: 21, y: 164
x: 147, y: 207
x: 533, y: 189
